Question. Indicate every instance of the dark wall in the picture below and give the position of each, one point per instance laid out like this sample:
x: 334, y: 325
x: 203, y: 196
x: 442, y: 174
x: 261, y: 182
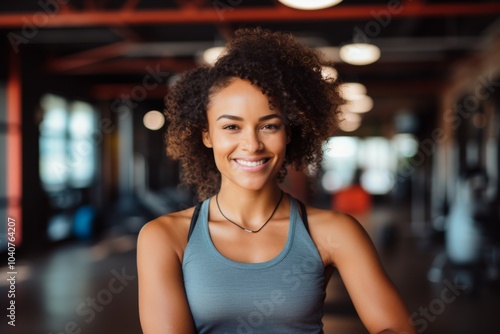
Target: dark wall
x: 35, y: 206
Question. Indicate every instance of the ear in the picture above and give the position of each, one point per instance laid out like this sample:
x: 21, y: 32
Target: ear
x: 205, y: 136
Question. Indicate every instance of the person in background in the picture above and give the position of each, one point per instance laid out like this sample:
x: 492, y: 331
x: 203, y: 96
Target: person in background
x: 353, y: 199
x: 250, y: 258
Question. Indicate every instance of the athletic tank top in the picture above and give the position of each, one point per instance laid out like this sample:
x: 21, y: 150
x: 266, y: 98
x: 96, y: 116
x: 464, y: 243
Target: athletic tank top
x: 282, y: 295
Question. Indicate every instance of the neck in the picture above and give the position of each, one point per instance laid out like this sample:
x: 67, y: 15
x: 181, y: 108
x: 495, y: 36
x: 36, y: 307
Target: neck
x: 240, y: 197
x: 248, y: 208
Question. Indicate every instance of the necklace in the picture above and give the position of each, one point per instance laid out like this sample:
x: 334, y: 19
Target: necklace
x: 243, y: 228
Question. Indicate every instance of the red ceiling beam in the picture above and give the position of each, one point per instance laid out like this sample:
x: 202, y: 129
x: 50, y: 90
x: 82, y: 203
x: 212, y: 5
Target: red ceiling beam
x: 121, y: 66
x: 218, y: 14
x: 89, y: 57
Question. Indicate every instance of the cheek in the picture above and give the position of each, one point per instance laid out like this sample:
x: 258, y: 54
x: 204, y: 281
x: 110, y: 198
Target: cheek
x: 222, y: 144
x: 278, y: 145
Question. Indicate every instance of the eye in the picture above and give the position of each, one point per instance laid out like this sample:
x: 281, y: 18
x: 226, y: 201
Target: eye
x: 230, y: 127
x: 272, y: 127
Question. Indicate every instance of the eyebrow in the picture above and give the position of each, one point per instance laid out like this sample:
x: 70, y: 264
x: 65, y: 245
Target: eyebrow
x: 238, y: 118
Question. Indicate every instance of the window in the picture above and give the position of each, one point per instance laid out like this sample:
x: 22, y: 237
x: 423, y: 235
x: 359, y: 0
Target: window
x: 67, y: 151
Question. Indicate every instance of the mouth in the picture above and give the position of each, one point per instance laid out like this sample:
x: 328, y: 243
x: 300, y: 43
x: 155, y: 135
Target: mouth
x: 247, y: 163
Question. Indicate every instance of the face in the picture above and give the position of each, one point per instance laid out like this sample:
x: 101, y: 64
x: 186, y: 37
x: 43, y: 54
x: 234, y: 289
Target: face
x: 248, y: 138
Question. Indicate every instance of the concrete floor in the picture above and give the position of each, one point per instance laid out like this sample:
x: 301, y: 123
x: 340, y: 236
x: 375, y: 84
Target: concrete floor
x: 78, y: 288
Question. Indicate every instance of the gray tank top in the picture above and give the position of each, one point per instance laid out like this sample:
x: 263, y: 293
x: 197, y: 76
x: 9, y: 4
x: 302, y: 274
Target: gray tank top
x: 282, y: 295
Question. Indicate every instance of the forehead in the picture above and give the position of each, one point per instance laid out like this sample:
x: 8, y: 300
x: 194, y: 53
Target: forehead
x: 238, y: 93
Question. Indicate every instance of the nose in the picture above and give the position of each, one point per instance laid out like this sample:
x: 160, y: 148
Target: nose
x: 251, y: 141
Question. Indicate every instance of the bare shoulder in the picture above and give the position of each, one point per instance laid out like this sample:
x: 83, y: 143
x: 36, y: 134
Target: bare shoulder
x: 332, y: 222
x: 335, y: 233
x: 160, y: 248
x: 167, y: 232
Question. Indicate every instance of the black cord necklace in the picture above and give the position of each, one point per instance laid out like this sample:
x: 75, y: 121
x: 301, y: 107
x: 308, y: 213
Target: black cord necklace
x: 243, y: 228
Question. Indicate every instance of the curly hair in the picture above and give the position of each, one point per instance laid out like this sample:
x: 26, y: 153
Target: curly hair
x: 286, y: 71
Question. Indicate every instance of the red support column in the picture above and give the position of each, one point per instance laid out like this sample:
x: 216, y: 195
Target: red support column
x: 14, y: 144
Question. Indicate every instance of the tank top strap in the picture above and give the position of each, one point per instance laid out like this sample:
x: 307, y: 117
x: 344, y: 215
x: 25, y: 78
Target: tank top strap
x: 194, y: 219
x: 303, y: 214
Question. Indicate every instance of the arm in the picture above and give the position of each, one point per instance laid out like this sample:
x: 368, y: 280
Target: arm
x: 376, y: 300
x: 163, y: 306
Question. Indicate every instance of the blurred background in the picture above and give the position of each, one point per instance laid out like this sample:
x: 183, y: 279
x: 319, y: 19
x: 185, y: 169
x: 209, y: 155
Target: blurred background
x: 83, y: 168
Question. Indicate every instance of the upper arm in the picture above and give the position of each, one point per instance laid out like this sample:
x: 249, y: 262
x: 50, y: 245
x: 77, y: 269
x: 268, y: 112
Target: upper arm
x: 163, y: 306
x: 375, y: 298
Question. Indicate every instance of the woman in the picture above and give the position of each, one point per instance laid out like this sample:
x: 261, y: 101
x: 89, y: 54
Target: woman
x: 249, y: 258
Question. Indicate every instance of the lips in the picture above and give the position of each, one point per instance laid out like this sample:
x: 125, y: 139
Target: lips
x: 253, y: 163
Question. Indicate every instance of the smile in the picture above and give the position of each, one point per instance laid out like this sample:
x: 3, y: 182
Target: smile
x: 251, y: 163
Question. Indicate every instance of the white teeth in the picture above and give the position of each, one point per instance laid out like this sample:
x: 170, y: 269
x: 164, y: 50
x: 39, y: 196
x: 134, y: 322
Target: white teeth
x: 250, y: 163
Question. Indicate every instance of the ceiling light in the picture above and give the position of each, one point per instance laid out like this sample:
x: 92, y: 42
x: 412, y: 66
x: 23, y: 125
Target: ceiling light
x: 329, y: 73
x: 153, y: 120
x: 359, y: 53
x: 310, y: 4
x: 211, y: 55
x: 350, y: 122
x: 361, y: 105
x: 352, y: 90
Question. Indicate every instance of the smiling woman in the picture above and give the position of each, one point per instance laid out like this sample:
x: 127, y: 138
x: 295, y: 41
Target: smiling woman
x: 250, y: 258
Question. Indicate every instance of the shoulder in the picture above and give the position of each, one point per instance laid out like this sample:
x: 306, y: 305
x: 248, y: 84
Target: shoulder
x: 167, y: 232
x: 336, y: 234
x: 334, y: 223
x: 162, y: 300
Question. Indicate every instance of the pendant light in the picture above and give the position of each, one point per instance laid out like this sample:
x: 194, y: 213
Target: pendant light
x: 310, y: 4
x: 359, y: 53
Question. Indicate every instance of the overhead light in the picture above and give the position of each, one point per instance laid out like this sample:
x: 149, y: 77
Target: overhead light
x: 310, y: 4
x: 356, y: 100
x: 359, y: 53
x: 211, y: 55
x: 329, y: 73
x: 360, y: 105
x: 352, y: 90
x: 153, y: 120
x: 351, y: 122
